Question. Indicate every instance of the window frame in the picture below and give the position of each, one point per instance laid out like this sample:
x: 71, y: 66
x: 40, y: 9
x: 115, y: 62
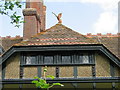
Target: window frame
x: 57, y: 59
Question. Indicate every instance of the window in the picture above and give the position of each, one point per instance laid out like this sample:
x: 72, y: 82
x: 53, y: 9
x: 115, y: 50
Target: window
x: 58, y: 58
x: 85, y: 58
x: 30, y: 60
x: 66, y: 59
x: 48, y: 59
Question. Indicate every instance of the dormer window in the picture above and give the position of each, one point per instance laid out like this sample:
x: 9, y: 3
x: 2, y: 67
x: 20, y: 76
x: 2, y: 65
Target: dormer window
x: 58, y: 59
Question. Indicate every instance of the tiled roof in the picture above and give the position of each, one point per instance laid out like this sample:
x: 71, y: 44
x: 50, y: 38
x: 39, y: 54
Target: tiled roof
x: 62, y: 35
x: 111, y: 42
x: 7, y: 42
x: 57, y: 35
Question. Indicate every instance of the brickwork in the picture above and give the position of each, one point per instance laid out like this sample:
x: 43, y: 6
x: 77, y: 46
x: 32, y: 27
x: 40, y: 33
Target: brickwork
x: 29, y: 28
x: 66, y: 71
x: 50, y: 71
x: 102, y: 66
x: 84, y: 71
x: 12, y: 67
x: 117, y: 71
x: 30, y: 72
x: 34, y: 17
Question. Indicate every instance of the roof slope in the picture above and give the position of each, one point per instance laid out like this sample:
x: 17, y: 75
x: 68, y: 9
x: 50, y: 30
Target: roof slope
x: 6, y: 42
x: 58, y: 35
x: 112, y: 43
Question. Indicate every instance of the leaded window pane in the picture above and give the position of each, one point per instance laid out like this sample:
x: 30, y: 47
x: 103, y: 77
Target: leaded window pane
x: 85, y: 58
x: 48, y: 59
x: 30, y: 60
x: 79, y: 60
x: 66, y: 59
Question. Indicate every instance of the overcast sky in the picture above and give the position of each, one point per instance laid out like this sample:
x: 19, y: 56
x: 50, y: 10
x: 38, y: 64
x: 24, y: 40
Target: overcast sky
x: 83, y: 16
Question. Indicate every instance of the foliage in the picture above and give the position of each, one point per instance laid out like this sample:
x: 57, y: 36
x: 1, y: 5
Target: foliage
x: 42, y: 83
x: 7, y: 7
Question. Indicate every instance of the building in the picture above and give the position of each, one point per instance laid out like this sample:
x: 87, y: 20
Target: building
x: 76, y: 60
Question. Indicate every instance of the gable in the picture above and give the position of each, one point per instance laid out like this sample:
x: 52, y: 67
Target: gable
x: 57, y: 35
x: 94, y: 47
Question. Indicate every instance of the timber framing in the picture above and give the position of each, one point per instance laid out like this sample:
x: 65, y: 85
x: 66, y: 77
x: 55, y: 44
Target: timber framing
x: 83, y: 47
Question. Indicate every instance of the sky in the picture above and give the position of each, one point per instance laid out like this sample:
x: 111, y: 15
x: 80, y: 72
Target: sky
x: 83, y: 16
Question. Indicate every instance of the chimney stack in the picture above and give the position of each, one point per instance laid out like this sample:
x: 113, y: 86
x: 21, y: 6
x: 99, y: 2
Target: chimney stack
x: 34, y: 17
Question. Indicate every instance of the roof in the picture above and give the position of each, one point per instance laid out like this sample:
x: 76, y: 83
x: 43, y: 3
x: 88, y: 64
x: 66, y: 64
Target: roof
x: 112, y: 44
x: 52, y: 38
x: 62, y: 35
x: 57, y: 35
x: 110, y: 41
x: 7, y: 42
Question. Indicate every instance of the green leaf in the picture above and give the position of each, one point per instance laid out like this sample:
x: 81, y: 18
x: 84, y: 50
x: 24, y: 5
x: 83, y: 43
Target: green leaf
x: 18, y: 16
x: 36, y: 77
x: 22, y: 21
x: 11, y: 6
x: 50, y: 76
x: 17, y: 26
x: 19, y: 6
x: 58, y: 84
x: 45, y: 86
x: 42, y: 81
x: 34, y: 81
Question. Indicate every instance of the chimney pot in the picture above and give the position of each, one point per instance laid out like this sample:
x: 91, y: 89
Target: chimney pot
x: 17, y: 36
x: 99, y: 34
x: 89, y: 34
x: 109, y: 34
x: 8, y: 36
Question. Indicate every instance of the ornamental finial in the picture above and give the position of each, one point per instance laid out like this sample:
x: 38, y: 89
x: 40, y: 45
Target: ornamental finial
x: 58, y: 17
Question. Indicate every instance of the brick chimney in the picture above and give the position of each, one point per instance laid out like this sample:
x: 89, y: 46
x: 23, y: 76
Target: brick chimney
x: 34, y: 17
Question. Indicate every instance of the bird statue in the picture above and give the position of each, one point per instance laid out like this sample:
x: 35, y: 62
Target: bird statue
x: 58, y: 17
